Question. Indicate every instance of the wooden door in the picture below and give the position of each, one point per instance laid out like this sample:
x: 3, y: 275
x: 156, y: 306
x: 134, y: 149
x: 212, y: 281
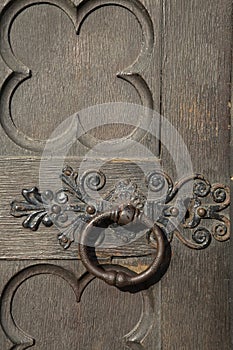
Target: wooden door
x: 59, y: 57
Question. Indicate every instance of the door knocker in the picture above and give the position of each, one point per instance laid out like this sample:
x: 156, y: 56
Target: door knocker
x: 77, y: 220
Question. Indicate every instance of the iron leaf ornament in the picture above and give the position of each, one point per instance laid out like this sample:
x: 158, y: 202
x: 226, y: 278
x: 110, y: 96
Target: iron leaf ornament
x: 178, y: 214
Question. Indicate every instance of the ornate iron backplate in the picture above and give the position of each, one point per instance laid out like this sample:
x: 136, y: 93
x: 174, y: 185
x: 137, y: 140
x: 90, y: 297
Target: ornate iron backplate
x: 70, y: 210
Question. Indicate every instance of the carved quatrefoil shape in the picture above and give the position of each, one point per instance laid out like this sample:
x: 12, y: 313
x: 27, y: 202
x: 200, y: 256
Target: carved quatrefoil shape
x: 77, y: 15
x: 23, y: 341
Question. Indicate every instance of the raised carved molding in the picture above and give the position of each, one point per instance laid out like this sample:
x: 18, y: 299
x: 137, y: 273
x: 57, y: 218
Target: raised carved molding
x: 23, y: 341
x: 77, y: 15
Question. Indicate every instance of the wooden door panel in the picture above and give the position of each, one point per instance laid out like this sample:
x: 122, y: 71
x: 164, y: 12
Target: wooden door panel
x: 45, y: 309
x: 187, y: 79
x: 196, y: 95
x: 66, y: 72
x: 16, y: 243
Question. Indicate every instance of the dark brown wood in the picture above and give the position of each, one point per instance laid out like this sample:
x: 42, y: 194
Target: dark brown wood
x: 195, y: 98
x: 189, y: 78
x: 46, y: 309
x: 19, y: 243
x: 69, y: 73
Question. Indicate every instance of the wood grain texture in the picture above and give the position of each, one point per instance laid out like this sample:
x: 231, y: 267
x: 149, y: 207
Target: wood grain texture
x: 231, y: 215
x: 195, y: 99
x: 44, y: 306
x: 71, y: 72
x: 20, y: 243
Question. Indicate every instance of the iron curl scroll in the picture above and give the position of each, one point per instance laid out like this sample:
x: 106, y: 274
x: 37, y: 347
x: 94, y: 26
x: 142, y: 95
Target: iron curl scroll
x: 176, y: 213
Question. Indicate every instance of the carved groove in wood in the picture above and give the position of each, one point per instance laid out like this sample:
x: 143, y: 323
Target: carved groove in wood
x: 77, y: 15
x: 23, y: 341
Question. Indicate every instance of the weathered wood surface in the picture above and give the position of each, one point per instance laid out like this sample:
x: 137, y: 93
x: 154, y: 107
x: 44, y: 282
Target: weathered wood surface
x: 45, y: 307
x: 195, y: 98
x: 70, y: 73
x: 20, y: 243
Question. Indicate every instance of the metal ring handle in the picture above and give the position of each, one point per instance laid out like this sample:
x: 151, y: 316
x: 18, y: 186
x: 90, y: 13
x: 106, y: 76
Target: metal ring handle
x: 122, y: 216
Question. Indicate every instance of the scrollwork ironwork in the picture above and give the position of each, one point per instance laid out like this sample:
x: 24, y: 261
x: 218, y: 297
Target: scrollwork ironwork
x: 33, y: 208
x: 67, y: 208
x: 181, y: 215
x: 191, y: 210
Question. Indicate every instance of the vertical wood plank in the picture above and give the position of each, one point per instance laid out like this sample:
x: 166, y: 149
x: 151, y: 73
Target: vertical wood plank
x: 195, y: 99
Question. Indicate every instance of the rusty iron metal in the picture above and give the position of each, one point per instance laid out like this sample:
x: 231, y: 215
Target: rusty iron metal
x: 122, y: 216
x: 173, y: 214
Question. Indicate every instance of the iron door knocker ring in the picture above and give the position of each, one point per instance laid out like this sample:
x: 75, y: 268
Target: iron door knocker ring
x: 125, y: 214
